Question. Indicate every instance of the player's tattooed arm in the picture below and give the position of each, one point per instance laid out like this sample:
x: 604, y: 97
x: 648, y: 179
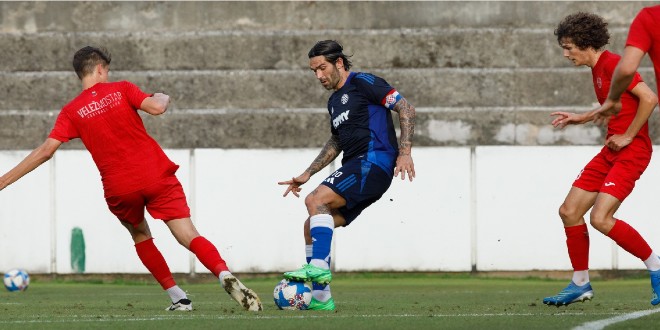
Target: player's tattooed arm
x: 329, y: 152
x: 407, y: 121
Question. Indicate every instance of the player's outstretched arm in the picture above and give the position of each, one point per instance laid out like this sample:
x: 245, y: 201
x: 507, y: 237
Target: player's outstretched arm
x: 562, y: 118
x: 647, y: 102
x: 329, y: 152
x: 404, y: 162
x: 156, y: 104
x: 37, y: 157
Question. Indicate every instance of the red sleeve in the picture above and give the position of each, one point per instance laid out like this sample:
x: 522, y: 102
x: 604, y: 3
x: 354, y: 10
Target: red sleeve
x: 639, y: 35
x: 64, y: 129
x: 611, y: 66
x: 636, y: 80
x: 134, y: 94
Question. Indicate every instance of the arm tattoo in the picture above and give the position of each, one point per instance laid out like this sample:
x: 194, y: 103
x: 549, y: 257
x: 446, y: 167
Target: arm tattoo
x: 407, y: 121
x: 329, y: 152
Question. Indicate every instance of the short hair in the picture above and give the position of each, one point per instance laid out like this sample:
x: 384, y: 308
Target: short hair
x: 331, y: 50
x: 584, y: 30
x: 87, y: 58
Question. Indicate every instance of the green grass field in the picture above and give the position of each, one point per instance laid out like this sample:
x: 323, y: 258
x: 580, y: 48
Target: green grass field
x: 364, y: 301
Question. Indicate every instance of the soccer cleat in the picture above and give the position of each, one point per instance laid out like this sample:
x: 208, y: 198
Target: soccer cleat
x: 245, y: 297
x: 655, y: 285
x: 316, y: 305
x: 312, y: 273
x: 572, y: 293
x: 181, y: 305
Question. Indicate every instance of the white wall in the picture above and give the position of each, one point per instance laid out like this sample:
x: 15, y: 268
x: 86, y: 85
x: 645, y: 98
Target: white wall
x: 491, y: 207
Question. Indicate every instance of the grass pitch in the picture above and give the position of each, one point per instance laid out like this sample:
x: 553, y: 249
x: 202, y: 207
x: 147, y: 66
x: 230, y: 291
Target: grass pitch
x: 364, y: 301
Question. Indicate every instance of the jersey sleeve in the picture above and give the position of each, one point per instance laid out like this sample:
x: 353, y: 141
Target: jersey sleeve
x: 134, y: 94
x: 64, y: 129
x: 611, y: 66
x: 636, y: 80
x: 377, y: 90
x: 639, y: 35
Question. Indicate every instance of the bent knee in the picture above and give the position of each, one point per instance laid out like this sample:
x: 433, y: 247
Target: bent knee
x: 568, y: 212
x: 600, y: 221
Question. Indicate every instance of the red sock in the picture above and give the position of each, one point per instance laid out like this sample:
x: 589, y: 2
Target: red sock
x: 630, y: 240
x: 208, y: 255
x: 577, y: 241
x: 155, y: 263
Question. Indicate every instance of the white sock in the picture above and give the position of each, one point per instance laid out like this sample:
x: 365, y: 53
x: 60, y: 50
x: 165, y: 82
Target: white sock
x: 581, y: 277
x: 222, y: 276
x: 653, y: 262
x: 176, y: 293
x: 322, y: 295
x: 308, y: 251
x: 320, y: 263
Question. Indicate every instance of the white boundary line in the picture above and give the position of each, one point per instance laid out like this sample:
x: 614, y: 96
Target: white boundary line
x: 285, y: 315
x: 600, y: 324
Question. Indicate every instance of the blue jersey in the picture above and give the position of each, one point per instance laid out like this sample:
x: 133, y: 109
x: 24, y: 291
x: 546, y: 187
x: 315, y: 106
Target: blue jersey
x: 360, y: 116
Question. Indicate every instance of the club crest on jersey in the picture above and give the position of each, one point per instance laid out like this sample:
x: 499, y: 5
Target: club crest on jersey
x: 344, y: 99
x: 599, y: 82
x: 340, y: 119
x: 391, y: 99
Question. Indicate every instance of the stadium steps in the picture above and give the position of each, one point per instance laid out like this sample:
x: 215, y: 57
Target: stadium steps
x: 480, y: 73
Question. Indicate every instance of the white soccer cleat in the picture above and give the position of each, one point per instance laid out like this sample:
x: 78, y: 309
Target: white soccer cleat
x: 245, y: 297
x: 181, y: 305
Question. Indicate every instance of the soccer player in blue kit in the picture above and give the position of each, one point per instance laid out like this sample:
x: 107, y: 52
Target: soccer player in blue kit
x: 362, y: 128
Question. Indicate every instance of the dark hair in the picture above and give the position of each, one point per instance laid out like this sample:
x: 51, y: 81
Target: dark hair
x: 584, y: 30
x: 89, y: 57
x: 331, y: 50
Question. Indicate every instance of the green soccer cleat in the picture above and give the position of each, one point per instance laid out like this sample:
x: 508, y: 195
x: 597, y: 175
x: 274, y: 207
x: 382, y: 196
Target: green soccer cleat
x: 310, y: 273
x: 316, y: 305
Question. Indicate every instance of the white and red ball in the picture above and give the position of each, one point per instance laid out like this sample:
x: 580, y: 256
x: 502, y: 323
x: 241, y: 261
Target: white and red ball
x: 292, y: 295
x: 16, y: 280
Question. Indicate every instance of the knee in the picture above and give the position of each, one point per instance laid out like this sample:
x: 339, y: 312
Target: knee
x: 569, y: 214
x: 314, y: 203
x: 600, y: 221
x: 311, y: 201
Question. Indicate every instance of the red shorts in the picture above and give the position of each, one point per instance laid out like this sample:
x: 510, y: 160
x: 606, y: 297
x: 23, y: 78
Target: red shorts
x: 615, y: 172
x: 163, y: 200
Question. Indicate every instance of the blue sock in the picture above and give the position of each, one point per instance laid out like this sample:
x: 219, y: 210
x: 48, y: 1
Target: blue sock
x: 321, y: 227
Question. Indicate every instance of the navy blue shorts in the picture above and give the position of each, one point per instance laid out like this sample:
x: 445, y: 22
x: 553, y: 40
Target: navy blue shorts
x: 360, y: 183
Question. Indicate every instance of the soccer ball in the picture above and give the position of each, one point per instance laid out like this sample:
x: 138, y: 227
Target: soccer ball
x: 292, y: 295
x: 17, y: 280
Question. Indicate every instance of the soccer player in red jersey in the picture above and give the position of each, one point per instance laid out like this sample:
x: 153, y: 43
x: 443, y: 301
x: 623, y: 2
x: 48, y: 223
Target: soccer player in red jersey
x: 135, y: 172
x: 610, y: 176
x: 643, y: 37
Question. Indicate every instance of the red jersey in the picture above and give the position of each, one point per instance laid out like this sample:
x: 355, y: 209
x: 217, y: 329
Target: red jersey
x: 645, y: 34
x: 105, y: 118
x: 602, y: 77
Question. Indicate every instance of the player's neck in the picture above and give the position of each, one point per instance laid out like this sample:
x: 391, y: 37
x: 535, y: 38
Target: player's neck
x: 344, y: 76
x: 594, y: 58
x: 90, y: 81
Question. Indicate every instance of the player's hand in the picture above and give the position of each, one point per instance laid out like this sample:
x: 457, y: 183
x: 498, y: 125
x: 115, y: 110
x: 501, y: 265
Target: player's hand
x: 404, y: 164
x: 295, y: 183
x: 618, y: 141
x: 603, y: 114
x: 564, y: 118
